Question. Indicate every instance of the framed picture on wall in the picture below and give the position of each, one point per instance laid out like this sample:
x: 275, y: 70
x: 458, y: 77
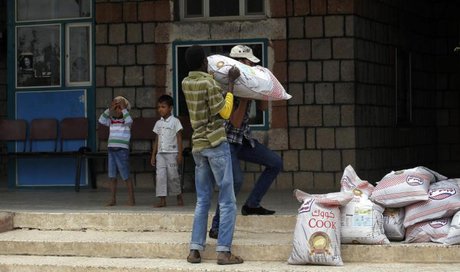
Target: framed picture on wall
x: 26, y: 63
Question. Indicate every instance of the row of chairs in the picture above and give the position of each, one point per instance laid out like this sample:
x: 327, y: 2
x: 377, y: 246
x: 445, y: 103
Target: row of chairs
x: 76, y: 128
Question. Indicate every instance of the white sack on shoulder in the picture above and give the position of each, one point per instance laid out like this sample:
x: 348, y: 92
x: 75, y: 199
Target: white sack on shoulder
x: 393, y: 223
x: 254, y: 82
x: 361, y: 219
x: 317, y: 231
x: 401, y: 188
x: 443, y: 201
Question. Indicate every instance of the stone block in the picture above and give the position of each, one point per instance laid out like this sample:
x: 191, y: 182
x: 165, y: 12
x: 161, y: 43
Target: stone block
x: 331, y: 70
x: 293, y: 112
x: 301, y: 7
x: 251, y: 29
x: 277, y: 9
x: 331, y: 116
x: 325, y: 138
x: 314, y: 27
x: 104, y: 98
x: 106, y: 55
x: 296, y: 90
x: 311, y: 138
x: 315, y: 71
x: 297, y: 72
x: 332, y: 160
x: 340, y: 6
x: 347, y: 115
x: 303, y: 181
x: 299, y: 49
x: 344, y: 93
x: 114, y: 76
x: 129, y: 11
x: 349, y: 26
x: 127, y: 55
x: 146, y: 97
x: 249, y: 181
x: 343, y: 48
x: 310, y: 116
x: 345, y: 137
x: 148, y: 30
x: 279, y: 48
x: 310, y: 160
x: 100, y: 76
x: 117, y: 34
x: 348, y: 157
x: 284, y: 181
x: 334, y: 26
x: 280, y: 71
x: 318, y: 7
x: 279, y: 117
x: 145, y: 181
x: 296, y: 27
x: 278, y: 139
x: 325, y: 183
x: 145, y: 54
x: 324, y: 93
x: 291, y: 160
x: 347, y: 70
x: 251, y: 167
x: 134, y: 33
x: 101, y: 34
x: 128, y: 93
x: 321, y: 48
x: 134, y: 76
x: 297, y: 138
x: 309, y: 93
x: 109, y: 12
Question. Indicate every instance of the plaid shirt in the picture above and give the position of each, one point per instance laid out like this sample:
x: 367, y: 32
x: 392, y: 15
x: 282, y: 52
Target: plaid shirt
x: 236, y: 135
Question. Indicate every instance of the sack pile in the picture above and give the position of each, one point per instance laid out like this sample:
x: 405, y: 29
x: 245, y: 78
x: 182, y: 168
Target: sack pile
x: 416, y: 205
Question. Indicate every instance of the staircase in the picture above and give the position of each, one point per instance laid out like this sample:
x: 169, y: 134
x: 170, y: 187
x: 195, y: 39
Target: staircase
x: 158, y: 241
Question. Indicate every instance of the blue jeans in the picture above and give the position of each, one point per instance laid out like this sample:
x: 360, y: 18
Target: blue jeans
x: 259, y: 154
x: 213, y: 165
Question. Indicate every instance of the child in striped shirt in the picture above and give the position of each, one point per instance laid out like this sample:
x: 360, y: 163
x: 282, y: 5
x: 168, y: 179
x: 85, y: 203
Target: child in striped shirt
x: 119, y: 121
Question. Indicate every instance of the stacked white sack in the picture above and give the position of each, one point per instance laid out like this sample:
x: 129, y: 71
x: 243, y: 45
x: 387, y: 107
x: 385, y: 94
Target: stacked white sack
x: 443, y: 201
x: 361, y: 219
x: 401, y: 188
x: 254, y: 82
x: 393, y: 223
x: 317, y: 231
x: 428, y: 231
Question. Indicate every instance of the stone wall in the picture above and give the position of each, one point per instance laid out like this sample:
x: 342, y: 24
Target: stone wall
x: 448, y: 86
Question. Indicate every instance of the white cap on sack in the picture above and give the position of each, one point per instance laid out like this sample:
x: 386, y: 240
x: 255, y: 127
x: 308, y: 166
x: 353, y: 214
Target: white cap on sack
x: 243, y: 51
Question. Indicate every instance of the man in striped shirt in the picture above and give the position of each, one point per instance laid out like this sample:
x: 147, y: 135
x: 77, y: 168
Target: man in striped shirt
x: 119, y: 121
x: 208, y: 108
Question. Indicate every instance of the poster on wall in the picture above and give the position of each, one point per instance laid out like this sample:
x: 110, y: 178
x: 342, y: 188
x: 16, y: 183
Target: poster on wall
x: 49, y: 171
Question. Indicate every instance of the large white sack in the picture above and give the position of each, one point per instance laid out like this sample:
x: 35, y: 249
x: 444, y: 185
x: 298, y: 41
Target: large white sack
x: 443, y: 201
x: 453, y: 235
x: 317, y: 231
x: 254, y: 82
x: 428, y: 231
x: 361, y: 219
x: 401, y: 188
x: 393, y: 223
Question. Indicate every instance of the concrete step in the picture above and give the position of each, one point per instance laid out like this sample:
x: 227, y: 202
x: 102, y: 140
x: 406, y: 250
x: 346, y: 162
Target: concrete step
x: 85, y: 264
x: 174, y: 245
x: 143, y: 221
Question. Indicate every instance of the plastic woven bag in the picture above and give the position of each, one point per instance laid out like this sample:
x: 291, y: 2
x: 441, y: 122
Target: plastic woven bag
x: 317, y: 231
x: 254, y: 82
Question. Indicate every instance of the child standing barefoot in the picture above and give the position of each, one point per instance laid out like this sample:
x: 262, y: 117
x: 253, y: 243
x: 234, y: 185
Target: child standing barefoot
x: 119, y: 121
x: 167, y: 153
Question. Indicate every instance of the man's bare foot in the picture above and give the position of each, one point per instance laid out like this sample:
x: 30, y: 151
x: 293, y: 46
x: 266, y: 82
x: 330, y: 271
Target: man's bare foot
x: 180, y: 200
x: 111, y: 203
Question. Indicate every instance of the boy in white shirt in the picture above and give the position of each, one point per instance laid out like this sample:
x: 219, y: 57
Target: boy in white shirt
x: 167, y: 152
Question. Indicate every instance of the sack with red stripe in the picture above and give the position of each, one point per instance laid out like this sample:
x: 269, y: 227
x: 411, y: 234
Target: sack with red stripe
x: 317, y: 231
x: 453, y: 236
x: 255, y: 82
x: 428, y: 231
x: 443, y: 201
x: 401, y: 188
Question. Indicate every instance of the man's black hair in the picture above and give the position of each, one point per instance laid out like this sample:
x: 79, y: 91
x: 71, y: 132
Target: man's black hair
x: 167, y: 99
x: 194, y: 57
